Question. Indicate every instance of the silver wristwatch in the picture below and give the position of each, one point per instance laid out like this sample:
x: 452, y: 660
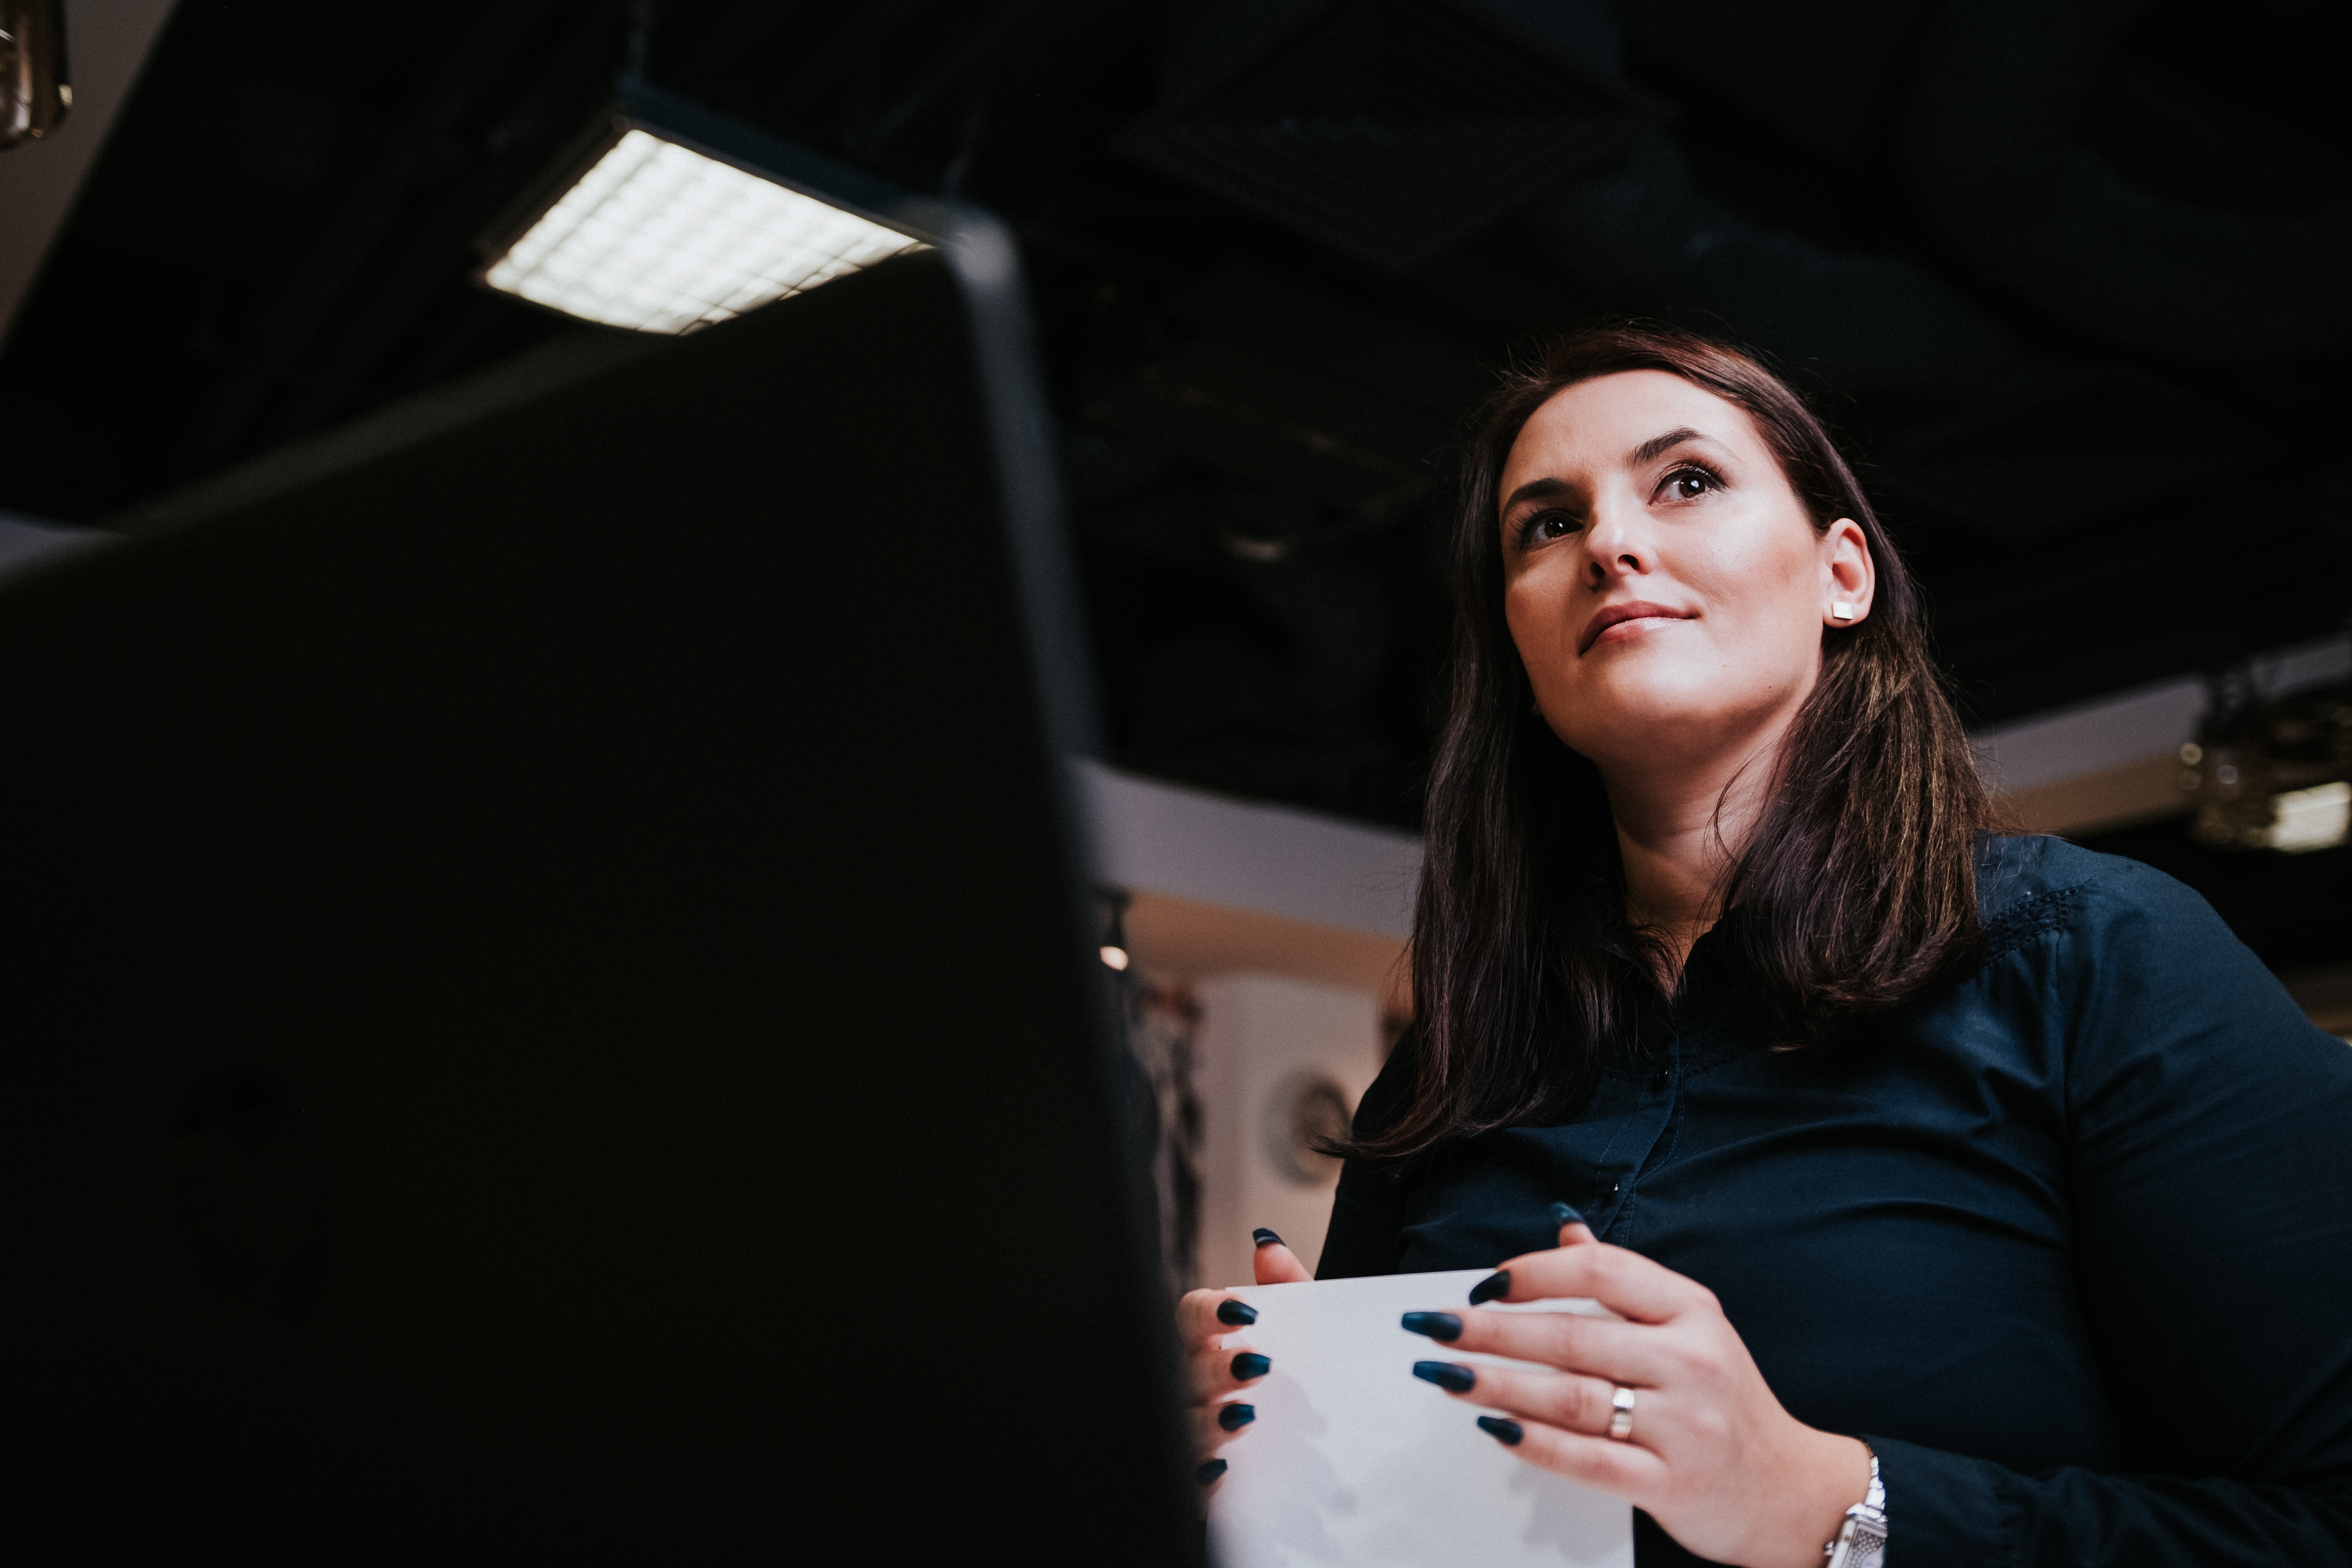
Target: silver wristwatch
x: 1861, y: 1540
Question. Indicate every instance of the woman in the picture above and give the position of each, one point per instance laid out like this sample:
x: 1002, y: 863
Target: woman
x: 1980, y: 1175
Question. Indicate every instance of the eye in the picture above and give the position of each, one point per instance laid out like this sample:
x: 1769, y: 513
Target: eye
x: 1688, y: 483
x: 1540, y: 528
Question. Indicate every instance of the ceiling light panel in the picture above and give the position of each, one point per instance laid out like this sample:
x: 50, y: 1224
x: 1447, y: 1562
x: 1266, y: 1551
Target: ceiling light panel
x: 2315, y: 818
x: 662, y: 238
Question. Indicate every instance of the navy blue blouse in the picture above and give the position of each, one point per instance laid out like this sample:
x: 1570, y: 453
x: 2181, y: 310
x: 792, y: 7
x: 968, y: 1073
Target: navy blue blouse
x: 2070, y: 1246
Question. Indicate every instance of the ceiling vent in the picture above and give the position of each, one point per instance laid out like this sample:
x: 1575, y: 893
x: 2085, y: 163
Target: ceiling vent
x: 1288, y: 388
x: 1391, y: 129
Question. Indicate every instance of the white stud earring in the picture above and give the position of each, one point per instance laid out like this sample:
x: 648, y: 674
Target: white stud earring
x: 1842, y: 611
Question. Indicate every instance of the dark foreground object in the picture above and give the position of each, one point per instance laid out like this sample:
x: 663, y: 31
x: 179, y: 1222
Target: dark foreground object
x: 544, y: 997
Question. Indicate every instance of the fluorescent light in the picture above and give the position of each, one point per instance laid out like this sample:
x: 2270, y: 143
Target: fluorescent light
x: 2319, y: 817
x: 664, y: 239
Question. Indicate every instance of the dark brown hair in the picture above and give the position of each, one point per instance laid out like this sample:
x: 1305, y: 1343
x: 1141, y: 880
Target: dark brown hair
x: 1855, y: 890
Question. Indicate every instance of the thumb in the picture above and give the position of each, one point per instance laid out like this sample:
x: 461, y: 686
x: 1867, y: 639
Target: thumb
x: 1275, y: 1263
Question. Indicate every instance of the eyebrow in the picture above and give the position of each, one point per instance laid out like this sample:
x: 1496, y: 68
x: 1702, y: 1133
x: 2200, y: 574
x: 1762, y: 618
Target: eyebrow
x: 1649, y: 451
x: 1532, y: 488
x: 1657, y: 447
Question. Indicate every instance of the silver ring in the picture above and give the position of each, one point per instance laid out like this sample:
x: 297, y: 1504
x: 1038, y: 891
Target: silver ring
x: 1621, y: 1422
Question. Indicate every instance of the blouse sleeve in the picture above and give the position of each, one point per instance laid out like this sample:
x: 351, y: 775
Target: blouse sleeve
x: 1367, y: 1232
x: 2212, y: 1149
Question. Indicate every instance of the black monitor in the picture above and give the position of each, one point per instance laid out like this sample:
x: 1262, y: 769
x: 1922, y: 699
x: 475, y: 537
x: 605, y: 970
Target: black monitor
x: 547, y: 992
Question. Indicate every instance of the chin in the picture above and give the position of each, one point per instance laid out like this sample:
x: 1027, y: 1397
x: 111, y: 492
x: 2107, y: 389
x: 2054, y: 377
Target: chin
x: 1652, y: 710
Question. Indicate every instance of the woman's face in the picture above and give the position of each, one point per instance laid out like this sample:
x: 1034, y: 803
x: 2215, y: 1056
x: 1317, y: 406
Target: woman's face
x: 1662, y: 583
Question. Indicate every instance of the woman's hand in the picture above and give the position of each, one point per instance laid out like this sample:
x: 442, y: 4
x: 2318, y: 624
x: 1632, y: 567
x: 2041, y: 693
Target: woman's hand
x: 1712, y: 1456
x: 1215, y: 1372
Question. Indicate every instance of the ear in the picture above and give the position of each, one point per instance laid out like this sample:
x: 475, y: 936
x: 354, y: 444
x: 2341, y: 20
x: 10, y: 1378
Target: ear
x: 1849, y: 579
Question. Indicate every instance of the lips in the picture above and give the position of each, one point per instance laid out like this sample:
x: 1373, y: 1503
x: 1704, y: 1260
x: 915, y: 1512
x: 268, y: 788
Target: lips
x: 1612, y: 615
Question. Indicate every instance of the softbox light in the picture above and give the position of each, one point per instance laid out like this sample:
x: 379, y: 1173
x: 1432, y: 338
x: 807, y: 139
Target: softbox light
x: 669, y: 217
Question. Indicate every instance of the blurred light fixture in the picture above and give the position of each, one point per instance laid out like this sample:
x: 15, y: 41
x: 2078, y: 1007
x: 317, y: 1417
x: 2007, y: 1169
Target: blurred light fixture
x: 670, y: 217
x: 2270, y: 775
x: 1114, y: 945
x: 2314, y: 818
x: 34, y: 92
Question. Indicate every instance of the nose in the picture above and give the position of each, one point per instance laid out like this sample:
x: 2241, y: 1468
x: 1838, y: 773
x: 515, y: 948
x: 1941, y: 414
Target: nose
x: 1616, y: 544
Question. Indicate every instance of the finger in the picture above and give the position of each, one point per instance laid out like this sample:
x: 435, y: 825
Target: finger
x: 1216, y: 1371
x: 1623, y: 1469
x: 1204, y: 1315
x: 1625, y: 1282
x: 1573, y: 1230
x: 1214, y: 1426
x: 1602, y: 1347
x: 1570, y: 1401
x: 1275, y: 1263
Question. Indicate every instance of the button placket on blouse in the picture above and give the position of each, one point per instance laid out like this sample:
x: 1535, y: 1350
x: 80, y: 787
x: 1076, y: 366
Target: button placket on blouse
x: 1643, y: 1125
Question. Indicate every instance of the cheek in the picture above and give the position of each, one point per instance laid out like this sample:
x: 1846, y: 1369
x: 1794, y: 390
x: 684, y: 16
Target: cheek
x: 1767, y: 633
x: 1536, y: 613
x: 1762, y: 579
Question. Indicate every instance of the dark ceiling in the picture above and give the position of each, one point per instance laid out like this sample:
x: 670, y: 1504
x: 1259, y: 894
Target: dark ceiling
x: 2068, y: 278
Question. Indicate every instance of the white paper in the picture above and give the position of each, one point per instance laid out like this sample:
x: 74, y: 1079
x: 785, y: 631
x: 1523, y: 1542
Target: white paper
x: 1354, y: 1461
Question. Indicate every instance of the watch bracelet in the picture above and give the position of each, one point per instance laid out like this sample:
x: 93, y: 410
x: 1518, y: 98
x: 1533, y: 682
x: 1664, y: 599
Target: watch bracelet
x: 1861, y: 1541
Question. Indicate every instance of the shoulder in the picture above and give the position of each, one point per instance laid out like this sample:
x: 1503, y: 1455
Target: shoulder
x: 2028, y: 885
x: 2140, y: 978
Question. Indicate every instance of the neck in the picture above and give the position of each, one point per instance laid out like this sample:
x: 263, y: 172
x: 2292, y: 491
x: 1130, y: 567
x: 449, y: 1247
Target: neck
x: 1682, y: 822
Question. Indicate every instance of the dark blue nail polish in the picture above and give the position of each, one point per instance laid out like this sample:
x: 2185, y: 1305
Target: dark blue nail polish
x: 1241, y: 1314
x: 1250, y: 1364
x: 1265, y: 1238
x: 1234, y: 1418
x: 1436, y: 1325
x: 1209, y: 1471
x: 1561, y: 1214
x: 1506, y: 1433
x: 1446, y: 1374
x: 1495, y: 1285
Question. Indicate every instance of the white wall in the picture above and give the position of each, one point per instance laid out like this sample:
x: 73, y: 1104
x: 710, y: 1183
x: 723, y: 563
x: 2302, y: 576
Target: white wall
x: 1256, y: 1031
x: 1150, y: 836
x: 1289, y: 927
x: 2129, y: 726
